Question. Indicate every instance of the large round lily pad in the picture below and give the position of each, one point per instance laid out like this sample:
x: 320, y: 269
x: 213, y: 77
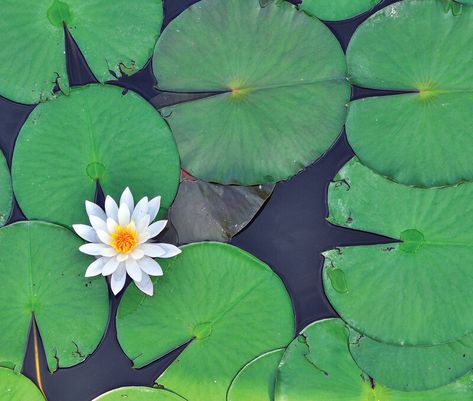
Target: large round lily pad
x: 413, y: 292
x: 114, y: 36
x: 335, y: 10
x: 318, y: 366
x: 256, y: 381
x: 412, y: 368
x: 281, y: 78
x: 421, y: 138
x: 42, y: 275
x: 227, y: 304
x: 16, y: 387
x: 6, y: 193
x: 138, y: 394
x: 94, y: 134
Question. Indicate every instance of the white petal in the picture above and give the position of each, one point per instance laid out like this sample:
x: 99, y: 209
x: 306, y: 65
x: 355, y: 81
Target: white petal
x: 137, y: 254
x: 145, y: 285
x: 123, y: 215
x: 98, y: 223
x: 127, y: 199
x: 143, y: 237
x: 104, y: 237
x: 141, y: 209
x: 143, y: 223
x: 86, y: 232
x: 111, y: 225
x: 94, y: 210
x: 121, y: 257
x: 150, y: 266
x: 110, y: 267
x: 153, y: 207
x: 153, y: 250
x: 155, y: 228
x: 118, y: 279
x: 95, y: 268
x: 93, y: 249
x: 111, y: 208
x: 169, y: 250
x: 133, y: 269
x: 108, y: 251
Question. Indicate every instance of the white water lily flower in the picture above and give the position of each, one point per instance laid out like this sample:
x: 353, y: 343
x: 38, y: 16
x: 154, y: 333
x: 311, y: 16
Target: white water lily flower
x: 119, y: 239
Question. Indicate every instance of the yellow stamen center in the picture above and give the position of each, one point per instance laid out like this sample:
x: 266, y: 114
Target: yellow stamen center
x: 124, y: 239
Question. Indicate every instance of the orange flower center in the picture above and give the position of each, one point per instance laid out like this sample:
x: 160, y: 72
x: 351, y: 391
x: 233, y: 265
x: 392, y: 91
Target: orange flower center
x: 124, y: 239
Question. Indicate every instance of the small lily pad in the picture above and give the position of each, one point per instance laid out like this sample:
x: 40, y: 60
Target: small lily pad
x: 256, y: 381
x: 276, y: 80
x: 138, y: 394
x: 415, y: 290
x: 211, y: 296
x: 6, y: 193
x: 336, y: 10
x: 204, y: 211
x: 43, y: 278
x: 412, y: 368
x: 96, y: 134
x: 16, y: 387
x: 318, y: 366
x: 422, y: 137
x: 115, y: 37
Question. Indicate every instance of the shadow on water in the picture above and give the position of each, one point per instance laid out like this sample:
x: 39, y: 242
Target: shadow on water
x: 289, y: 233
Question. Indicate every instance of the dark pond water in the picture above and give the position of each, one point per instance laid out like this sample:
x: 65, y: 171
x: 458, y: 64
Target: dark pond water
x: 289, y: 234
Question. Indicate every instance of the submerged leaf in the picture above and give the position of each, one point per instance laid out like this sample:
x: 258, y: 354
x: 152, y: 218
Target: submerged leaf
x: 211, y: 212
x: 211, y: 296
x: 277, y: 86
x: 94, y: 134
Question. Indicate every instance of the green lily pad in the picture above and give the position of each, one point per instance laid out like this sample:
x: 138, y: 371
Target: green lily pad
x: 419, y: 138
x: 211, y: 296
x: 138, y: 394
x: 281, y: 83
x: 6, y: 193
x: 336, y: 10
x: 43, y: 277
x: 212, y: 212
x: 257, y: 379
x: 16, y: 387
x: 318, y: 366
x: 413, y: 292
x: 115, y: 37
x: 412, y: 368
x: 94, y: 134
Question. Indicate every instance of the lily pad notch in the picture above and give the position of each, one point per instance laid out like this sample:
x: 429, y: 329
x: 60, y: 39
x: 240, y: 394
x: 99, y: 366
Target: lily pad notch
x: 6, y: 192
